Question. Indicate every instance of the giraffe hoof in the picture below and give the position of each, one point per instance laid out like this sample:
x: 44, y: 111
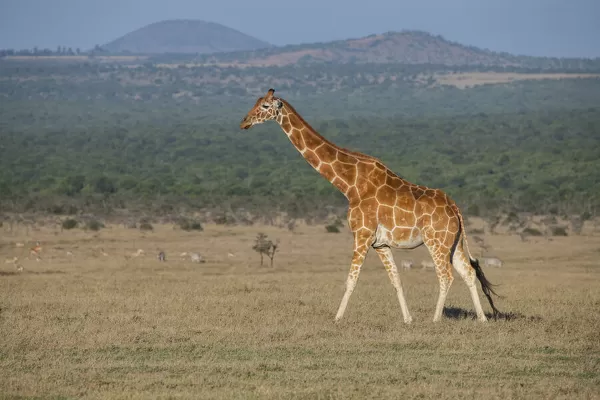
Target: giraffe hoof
x: 408, y: 320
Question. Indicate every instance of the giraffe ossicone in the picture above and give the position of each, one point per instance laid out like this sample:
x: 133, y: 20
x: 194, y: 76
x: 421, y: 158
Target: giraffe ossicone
x: 385, y: 211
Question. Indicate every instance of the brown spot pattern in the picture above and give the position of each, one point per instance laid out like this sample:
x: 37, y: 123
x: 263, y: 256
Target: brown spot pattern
x: 378, y: 197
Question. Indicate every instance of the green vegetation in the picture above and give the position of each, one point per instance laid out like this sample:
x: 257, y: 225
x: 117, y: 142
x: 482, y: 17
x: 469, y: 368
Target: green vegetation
x: 146, y: 226
x: 105, y: 137
x: 189, y: 225
x: 69, y: 223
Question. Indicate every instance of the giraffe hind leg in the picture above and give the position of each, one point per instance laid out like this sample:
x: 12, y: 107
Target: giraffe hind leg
x: 443, y: 269
x: 468, y: 273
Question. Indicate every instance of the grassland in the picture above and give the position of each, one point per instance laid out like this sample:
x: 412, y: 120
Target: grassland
x: 95, y: 326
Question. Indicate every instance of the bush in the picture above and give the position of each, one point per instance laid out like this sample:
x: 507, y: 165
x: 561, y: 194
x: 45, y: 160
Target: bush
x: 532, y: 232
x: 559, y: 231
x: 146, y: 226
x: 69, y: 223
x: 332, y: 228
x: 190, y: 225
x: 94, y: 225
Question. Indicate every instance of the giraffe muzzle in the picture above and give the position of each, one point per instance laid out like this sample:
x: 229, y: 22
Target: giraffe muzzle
x: 245, y: 124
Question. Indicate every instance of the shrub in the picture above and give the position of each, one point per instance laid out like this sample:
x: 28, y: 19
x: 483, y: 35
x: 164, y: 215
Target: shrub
x: 332, y: 228
x: 190, y: 225
x: 146, y: 226
x: 559, y: 231
x: 94, y: 225
x: 69, y: 223
x: 264, y: 246
x: 532, y: 232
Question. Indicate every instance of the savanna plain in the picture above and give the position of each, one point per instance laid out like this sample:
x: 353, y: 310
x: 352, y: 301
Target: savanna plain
x: 99, y: 322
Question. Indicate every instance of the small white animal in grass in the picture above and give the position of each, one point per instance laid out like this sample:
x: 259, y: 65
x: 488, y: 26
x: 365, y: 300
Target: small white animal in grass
x: 15, y: 262
x: 105, y: 254
x: 492, y: 262
x: 138, y: 253
x: 19, y: 244
x: 406, y: 264
x: 197, y: 258
x: 427, y: 264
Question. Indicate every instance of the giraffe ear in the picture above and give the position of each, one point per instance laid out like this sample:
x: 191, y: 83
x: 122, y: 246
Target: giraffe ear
x: 279, y: 104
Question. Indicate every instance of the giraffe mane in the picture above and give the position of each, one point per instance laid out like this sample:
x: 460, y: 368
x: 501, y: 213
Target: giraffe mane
x: 344, y: 150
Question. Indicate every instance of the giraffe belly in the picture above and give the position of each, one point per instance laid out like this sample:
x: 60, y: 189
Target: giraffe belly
x: 399, y: 237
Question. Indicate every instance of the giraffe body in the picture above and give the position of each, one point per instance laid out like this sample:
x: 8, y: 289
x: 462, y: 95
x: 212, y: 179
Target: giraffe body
x: 385, y: 211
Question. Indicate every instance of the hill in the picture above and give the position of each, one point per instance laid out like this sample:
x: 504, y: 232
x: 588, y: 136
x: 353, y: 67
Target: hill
x: 406, y: 47
x: 184, y: 36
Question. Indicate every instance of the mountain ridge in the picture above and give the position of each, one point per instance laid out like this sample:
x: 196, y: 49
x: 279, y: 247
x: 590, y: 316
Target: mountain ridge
x: 215, y: 44
x: 405, y: 47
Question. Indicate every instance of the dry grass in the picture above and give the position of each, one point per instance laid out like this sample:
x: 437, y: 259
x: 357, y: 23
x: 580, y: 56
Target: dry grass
x: 98, y: 326
x: 471, y: 79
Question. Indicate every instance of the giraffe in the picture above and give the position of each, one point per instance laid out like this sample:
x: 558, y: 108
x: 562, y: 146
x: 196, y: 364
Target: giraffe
x: 384, y: 210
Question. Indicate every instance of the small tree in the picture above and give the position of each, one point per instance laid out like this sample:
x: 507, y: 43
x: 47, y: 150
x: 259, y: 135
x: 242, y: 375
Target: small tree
x: 264, y: 246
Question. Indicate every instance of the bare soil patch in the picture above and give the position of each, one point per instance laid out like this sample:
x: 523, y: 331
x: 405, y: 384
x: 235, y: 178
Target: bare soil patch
x: 471, y: 79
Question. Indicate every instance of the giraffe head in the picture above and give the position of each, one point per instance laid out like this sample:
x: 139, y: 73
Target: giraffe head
x: 265, y: 109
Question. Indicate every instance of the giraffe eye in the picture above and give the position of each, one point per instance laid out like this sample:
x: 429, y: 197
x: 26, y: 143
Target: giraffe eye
x: 265, y: 106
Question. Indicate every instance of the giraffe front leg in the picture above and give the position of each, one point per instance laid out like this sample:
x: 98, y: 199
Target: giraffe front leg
x: 385, y: 254
x: 361, y: 247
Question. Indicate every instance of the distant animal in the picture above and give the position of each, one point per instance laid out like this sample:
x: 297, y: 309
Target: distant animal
x: 230, y: 255
x: 162, y: 256
x: 406, y: 264
x: 69, y: 253
x: 19, y: 244
x: 12, y: 260
x: 36, y: 250
x: 105, y: 254
x: 492, y: 262
x: 478, y: 240
x: 197, y: 258
x: 138, y: 253
x: 183, y: 255
x: 426, y: 264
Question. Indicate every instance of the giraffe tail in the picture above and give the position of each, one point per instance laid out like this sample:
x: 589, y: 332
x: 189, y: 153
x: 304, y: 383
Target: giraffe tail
x: 486, y: 286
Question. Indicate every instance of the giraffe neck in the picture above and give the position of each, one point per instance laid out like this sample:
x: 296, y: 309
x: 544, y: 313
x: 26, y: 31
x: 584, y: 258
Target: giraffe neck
x: 335, y: 164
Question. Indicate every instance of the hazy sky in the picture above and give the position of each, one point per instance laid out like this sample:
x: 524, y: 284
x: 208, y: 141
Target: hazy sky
x: 535, y: 27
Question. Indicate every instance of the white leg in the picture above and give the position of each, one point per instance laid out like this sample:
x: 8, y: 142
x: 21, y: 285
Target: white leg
x: 464, y: 269
x: 385, y: 254
x: 445, y: 281
x: 361, y: 247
